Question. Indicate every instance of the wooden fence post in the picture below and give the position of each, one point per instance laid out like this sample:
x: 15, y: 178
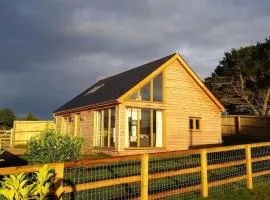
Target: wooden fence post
x: 204, y: 175
x: 249, y: 167
x: 237, y: 124
x: 59, y: 177
x: 144, y: 177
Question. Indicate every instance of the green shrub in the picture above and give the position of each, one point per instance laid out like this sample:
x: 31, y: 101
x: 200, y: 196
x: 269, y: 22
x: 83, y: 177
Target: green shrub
x: 17, y: 187
x: 50, y: 146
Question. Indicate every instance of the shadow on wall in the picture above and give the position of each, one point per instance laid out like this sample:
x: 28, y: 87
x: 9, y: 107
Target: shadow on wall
x: 11, y: 160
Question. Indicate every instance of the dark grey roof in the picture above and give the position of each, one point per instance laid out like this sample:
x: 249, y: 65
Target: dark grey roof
x: 111, y: 88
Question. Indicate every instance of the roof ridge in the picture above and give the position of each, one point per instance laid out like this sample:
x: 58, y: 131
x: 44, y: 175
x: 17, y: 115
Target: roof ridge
x: 136, y: 67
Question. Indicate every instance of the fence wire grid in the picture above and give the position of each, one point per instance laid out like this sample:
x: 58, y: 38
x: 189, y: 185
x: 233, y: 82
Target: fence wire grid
x: 172, y: 175
x: 86, y: 174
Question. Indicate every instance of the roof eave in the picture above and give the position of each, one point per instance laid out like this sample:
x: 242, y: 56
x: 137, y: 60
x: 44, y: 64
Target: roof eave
x: 88, y: 107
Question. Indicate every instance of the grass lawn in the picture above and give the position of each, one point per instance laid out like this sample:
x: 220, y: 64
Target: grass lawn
x: 260, y: 192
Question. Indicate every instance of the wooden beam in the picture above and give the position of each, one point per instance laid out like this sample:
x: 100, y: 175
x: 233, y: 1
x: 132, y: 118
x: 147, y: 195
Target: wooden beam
x: 174, y: 173
x: 249, y: 167
x: 226, y: 164
x: 92, y: 162
x: 263, y: 173
x: 25, y: 169
x: 228, y: 148
x: 261, y: 158
x: 204, y: 173
x: 103, y: 183
x: 144, y: 176
x: 226, y: 181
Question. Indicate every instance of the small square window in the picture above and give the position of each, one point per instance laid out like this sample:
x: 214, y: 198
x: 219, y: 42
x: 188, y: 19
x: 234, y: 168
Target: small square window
x: 194, y: 123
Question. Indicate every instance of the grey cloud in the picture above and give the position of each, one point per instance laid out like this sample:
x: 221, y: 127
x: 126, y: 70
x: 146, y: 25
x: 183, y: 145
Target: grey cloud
x: 51, y: 50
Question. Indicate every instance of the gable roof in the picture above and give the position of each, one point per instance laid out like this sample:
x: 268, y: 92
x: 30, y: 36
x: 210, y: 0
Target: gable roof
x: 112, y: 88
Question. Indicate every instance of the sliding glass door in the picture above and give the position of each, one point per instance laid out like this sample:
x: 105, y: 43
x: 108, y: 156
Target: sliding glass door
x: 144, y: 127
x: 105, y: 128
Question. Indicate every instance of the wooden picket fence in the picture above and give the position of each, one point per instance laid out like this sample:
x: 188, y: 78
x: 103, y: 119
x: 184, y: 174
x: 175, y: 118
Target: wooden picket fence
x: 202, y: 172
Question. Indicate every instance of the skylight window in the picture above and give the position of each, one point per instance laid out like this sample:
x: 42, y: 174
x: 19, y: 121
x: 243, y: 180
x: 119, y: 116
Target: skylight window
x: 93, y: 90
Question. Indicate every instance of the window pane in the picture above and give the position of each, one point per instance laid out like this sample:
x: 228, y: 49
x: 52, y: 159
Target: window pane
x: 132, y: 127
x: 157, y: 128
x: 197, y: 124
x: 105, y: 127
x: 133, y: 96
x: 191, y: 124
x: 98, y: 129
x: 145, y: 128
x: 145, y: 92
x: 158, y: 88
x: 113, y: 133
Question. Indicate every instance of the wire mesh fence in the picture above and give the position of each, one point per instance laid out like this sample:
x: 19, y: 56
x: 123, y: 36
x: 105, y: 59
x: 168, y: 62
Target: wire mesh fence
x: 100, y: 175
x: 261, y: 164
x: 226, y: 171
x: 174, y: 176
x: 171, y: 175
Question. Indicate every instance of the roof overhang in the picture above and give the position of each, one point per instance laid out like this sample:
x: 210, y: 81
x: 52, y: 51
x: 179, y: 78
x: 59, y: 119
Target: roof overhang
x: 100, y: 105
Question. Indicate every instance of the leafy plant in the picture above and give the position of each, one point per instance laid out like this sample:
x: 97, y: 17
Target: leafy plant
x: 50, y: 146
x: 17, y: 186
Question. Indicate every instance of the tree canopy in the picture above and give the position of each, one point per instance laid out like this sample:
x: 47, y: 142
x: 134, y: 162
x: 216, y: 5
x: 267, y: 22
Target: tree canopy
x: 7, y: 117
x: 242, y: 80
x: 30, y: 117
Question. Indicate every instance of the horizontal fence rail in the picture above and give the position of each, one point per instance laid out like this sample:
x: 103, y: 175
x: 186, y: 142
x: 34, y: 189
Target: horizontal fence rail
x: 179, y: 175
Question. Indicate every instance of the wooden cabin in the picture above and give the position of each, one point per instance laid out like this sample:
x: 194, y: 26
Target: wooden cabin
x: 158, y: 106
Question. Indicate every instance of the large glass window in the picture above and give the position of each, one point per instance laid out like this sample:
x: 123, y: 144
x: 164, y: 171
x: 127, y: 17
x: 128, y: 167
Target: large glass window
x: 146, y: 93
x: 105, y: 128
x: 112, y: 129
x: 144, y: 127
x: 98, y: 128
x: 152, y: 91
x: 158, y: 88
x: 133, y: 127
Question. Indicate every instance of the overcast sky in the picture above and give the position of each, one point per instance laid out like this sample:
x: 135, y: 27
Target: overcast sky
x: 52, y: 50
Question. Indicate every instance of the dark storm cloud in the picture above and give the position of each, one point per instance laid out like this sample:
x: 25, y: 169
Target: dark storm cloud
x: 51, y: 50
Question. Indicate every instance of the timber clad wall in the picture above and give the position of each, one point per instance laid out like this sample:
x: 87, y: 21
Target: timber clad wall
x: 184, y: 99
x: 87, y: 128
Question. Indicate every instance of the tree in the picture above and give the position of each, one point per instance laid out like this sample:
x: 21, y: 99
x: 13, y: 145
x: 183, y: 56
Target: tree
x: 242, y: 80
x: 30, y: 117
x: 7, y: 117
